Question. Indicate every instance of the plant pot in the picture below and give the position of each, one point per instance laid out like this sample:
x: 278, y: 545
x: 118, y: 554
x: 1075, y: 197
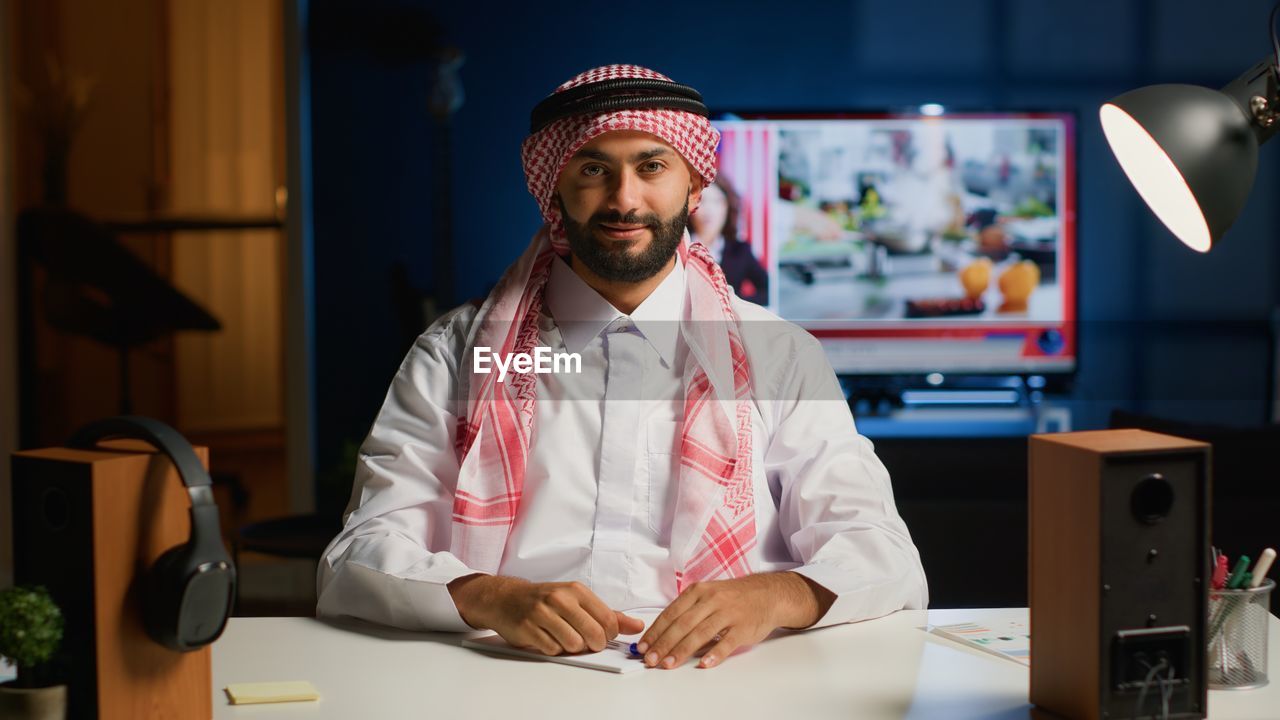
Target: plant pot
x: 48, y: 703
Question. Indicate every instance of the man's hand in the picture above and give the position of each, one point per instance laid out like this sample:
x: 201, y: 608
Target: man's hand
x: 731, y: 614
x: 550, y: 618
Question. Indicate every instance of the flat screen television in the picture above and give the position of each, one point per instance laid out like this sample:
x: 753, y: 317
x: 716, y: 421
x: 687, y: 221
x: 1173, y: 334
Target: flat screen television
x: 909, y: 244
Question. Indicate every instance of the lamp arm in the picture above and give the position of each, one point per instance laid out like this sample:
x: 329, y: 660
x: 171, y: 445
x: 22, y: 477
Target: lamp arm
x: 1275, y: 41
x: 1263, y: 107
x: 1256, y: 92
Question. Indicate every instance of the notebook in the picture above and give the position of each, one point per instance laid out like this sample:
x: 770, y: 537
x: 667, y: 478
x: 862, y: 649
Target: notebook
x: 1007, y: 638
x: 609, y: 660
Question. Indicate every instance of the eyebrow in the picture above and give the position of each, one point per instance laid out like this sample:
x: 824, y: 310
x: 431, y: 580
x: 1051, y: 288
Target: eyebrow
x: 638, y: 157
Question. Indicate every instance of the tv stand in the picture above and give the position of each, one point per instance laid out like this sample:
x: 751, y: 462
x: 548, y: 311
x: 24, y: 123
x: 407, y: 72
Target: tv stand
x: 937, y: 406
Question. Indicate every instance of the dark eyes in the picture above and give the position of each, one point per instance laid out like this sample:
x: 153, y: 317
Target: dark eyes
x: 651, y: 167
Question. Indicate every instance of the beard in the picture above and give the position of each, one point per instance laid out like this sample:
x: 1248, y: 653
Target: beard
x: 614, y: 261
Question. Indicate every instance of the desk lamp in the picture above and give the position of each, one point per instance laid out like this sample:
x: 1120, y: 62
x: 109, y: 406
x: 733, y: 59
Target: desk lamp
x: 1190, y: 151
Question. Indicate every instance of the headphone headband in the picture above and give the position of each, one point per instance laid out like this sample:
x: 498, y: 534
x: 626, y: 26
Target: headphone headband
x: 616, y: 94
x: 162, y: 438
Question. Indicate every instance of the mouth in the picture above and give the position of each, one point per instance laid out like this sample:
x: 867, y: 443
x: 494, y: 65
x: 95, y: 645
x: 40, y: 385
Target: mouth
x: 622, y: 232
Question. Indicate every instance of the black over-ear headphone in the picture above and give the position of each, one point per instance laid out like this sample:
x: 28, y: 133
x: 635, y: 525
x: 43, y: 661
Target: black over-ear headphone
x: 188, y: 591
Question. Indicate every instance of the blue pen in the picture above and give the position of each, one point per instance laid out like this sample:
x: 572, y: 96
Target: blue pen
x: 629, y: 647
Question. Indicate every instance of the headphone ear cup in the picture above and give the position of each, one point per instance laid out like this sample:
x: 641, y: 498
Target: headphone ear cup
x: 163, y: 597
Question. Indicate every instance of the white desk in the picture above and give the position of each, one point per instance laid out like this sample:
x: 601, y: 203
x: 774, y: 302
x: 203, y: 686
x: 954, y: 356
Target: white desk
x: 885, y: 668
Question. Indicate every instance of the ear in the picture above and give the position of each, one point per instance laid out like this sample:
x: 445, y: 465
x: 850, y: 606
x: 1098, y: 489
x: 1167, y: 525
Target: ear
x: 695, y: 194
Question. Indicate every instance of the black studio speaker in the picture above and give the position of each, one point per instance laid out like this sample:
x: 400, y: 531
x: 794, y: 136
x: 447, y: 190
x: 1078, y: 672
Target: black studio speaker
x: 1119, y: 563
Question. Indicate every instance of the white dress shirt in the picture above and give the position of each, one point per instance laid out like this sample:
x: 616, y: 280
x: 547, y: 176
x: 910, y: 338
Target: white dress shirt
x: 599, y: 489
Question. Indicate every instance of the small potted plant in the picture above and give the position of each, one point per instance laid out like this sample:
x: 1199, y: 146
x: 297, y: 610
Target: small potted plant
x: 30, y: 632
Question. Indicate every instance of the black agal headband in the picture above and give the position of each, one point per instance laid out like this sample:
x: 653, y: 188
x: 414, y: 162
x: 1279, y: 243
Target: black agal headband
x: 615, y: 94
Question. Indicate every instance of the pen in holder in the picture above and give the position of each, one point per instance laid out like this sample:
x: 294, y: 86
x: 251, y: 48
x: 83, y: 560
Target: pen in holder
x: 1238, y: 637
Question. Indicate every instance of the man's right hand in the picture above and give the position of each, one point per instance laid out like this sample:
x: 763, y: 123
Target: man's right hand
x: 550, y: 618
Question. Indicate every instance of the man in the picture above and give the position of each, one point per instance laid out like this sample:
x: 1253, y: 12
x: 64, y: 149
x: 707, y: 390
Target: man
x: 701, y: 459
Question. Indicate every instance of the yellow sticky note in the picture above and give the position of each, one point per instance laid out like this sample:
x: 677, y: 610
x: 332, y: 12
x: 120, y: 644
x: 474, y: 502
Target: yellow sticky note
x: 271, y: 692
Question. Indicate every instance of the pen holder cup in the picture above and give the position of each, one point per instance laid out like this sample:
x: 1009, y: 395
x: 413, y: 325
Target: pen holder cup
x: 1238, y: 637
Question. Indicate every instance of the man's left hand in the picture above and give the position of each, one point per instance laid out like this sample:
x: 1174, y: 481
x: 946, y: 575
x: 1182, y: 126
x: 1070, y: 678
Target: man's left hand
x: 730, y: 614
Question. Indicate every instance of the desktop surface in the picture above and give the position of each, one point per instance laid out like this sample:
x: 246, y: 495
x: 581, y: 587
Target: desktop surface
x: 883, y: 668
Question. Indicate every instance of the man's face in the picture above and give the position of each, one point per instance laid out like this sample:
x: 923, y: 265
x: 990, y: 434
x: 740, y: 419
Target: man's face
x: 625, y: 200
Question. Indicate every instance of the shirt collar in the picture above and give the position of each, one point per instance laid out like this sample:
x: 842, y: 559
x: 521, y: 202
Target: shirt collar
x: 581, y: 313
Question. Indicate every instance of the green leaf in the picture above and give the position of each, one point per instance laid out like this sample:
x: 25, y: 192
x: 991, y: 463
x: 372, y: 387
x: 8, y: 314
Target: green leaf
x: 30, y: 625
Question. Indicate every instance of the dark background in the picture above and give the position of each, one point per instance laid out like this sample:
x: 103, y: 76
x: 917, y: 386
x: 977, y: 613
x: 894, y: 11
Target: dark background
x: 1164, y: 331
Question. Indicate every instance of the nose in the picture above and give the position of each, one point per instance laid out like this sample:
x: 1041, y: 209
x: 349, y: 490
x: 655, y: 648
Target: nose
x: 624, y: 196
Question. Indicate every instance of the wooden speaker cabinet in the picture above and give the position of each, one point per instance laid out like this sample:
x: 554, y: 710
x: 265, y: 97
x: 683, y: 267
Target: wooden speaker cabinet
x: 1119, y: 560
x: 87, y: 525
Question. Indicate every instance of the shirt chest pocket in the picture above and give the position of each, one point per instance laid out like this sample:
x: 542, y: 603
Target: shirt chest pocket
x: 663, y: 460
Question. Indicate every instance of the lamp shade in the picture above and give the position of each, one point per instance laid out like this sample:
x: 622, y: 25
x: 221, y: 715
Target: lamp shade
x: 1190, y: 152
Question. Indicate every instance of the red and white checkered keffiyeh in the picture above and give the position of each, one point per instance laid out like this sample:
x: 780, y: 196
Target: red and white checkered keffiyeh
x: 714, y: 527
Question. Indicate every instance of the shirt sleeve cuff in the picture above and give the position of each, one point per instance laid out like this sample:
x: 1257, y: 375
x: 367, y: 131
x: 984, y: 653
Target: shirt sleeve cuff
x: 855, y: 599
x: 431, y: 600
x: 419, y: 601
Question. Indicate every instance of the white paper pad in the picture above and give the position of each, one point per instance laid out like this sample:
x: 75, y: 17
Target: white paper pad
x: 609, y: 659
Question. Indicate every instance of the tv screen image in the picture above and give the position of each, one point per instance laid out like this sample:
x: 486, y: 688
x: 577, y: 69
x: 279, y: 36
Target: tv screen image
x: 906, y: 243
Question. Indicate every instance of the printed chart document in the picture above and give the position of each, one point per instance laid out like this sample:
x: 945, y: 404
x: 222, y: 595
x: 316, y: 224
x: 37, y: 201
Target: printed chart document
x: 999, y: 633
x: 616, y: 660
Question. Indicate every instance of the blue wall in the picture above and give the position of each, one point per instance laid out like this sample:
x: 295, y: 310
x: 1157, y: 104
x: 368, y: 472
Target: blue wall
x: 1164, y: 330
